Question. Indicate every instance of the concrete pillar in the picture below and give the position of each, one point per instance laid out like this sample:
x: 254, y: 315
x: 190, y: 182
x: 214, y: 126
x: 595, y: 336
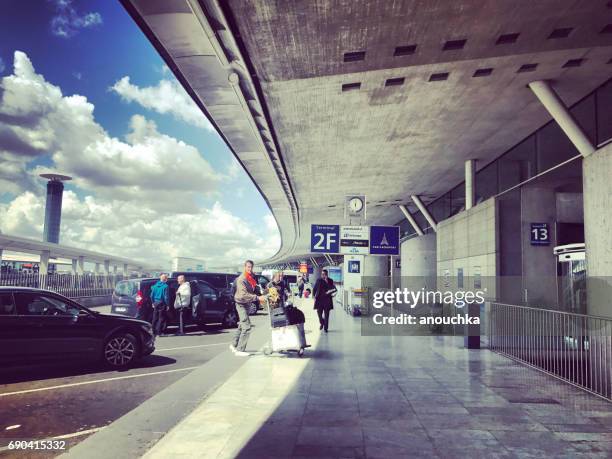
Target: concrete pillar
x: 74, y: 266
x: 43, y: 266
x: 0, y: 263
x: 557, y: 109
x: 417, y: 201
x: 125, y: 270
x: 97, y: 269
x: 597, y: 189
x: 470, y: 183
x: 411, y: 220
x: 81, y: 265
x: 107, y: 267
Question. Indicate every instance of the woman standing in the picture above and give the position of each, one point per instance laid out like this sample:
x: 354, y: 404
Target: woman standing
x: 324, y: 291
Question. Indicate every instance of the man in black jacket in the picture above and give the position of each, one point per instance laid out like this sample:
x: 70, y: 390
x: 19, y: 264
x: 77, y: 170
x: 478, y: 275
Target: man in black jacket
x: 324, y: 291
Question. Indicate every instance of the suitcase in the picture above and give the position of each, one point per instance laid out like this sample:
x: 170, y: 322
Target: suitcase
x: 278, y: 317
x: 291, y: 337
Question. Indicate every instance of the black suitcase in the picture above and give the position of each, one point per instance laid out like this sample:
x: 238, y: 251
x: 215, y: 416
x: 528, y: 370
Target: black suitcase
x: 278, y: 316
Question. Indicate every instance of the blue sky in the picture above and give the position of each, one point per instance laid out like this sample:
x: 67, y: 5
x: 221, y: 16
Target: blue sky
x: 84, y: 48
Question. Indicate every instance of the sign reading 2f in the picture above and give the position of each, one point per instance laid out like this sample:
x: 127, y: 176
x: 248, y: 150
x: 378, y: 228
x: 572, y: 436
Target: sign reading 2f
x: 325, y: 238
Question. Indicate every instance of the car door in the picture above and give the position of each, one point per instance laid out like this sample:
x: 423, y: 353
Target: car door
x: 52, y: 324
x: 214, y: 309
x: 13, y: 333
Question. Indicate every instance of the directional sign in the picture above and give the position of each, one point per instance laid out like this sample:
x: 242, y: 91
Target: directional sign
x: 355, y: 240
x: 325, y: 238
x: 384, y: 240
x: 540, y: 234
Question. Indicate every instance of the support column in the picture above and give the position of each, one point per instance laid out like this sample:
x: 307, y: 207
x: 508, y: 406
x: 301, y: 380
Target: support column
x: 557, y: 109
x: 107, y: 273
x: 43, y: 268
x: 74, y: 266
x: 417, y: 201
x: 97, y: 269
x: 597, y: 189
x: 0, y: 263
x: 125, y: 270
x: 411, y: 220
x: 81, y: 266
x: 470, y: 183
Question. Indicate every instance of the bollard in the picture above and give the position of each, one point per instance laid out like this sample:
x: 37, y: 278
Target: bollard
x: 181, y: 332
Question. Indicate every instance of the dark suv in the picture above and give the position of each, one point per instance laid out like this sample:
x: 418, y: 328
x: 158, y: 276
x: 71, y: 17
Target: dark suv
x: 132, y: 298
x: 224, y: 282
x: 39, y: 325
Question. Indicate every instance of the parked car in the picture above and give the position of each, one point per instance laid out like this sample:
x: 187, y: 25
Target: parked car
x: 38, y: 325
x: 132, y: 298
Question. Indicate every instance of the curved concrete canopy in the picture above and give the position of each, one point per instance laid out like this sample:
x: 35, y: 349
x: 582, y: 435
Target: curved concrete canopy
x: 307, y: 143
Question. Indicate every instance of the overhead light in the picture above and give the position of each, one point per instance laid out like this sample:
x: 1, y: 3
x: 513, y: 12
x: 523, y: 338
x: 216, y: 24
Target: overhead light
x: 573, y: 63
x: 350, y: 87
x: 454, y: 44
x: 483, y: 72
x: 527, y: 68
x: 405, y: 50
x: 354, y: 56
x: 438, y: 76
x: 507, y: 38
x: 562, y: 32
x: 395, y: 81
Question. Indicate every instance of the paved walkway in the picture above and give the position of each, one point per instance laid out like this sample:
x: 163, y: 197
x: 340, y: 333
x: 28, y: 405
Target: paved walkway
x: 387, y: 397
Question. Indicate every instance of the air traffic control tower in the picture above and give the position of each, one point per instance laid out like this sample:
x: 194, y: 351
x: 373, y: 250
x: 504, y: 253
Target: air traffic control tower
x: 53, y: 208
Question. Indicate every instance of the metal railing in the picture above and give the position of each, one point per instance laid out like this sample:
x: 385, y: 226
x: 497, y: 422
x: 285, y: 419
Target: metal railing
x: 576, y: 348
x: 70, y: 285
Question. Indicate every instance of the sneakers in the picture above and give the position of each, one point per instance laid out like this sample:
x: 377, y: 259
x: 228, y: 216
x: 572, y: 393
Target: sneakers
x: 241, y: 354
x: 232, y: 348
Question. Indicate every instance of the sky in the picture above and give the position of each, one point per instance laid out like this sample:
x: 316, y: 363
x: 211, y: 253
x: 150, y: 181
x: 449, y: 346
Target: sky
x: 83, y: 93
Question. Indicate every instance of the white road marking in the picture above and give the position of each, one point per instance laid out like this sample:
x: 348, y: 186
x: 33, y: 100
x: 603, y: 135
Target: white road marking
x: 16, y: 426
x: 225, y: 343
x: 62, y: 386
x: 63, y: 437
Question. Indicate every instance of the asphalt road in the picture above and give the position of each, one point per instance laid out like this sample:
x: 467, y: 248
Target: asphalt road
x: 70, y: 400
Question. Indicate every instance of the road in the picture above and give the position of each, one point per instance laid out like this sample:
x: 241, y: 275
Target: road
x: 76, y: 400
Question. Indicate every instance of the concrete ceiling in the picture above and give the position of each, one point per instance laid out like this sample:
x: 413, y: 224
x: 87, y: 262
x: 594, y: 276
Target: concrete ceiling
x: 311, y: 143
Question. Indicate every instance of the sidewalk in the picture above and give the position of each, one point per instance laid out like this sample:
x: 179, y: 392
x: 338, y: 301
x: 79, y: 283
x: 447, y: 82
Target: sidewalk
x: 353, y: 396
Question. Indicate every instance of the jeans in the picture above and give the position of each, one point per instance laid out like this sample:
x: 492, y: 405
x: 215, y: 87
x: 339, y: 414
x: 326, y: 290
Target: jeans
x: 159, y: 320
x: 244, y: 327
x: 324, y: 317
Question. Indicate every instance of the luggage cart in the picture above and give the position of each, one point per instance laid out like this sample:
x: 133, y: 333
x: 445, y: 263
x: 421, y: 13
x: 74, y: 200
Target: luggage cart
x: 284, y: 338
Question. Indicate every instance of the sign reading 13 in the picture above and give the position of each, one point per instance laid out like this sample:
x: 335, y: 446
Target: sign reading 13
x: 540, y: 234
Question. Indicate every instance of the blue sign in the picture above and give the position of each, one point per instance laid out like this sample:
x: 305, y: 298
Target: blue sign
x: 325, y: 238
x: 354, y: 266
x: 384, y: 240
x: 540, y: 234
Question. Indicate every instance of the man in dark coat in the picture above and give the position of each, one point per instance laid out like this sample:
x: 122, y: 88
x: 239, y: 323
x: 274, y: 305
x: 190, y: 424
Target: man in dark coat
x: 324, y: 291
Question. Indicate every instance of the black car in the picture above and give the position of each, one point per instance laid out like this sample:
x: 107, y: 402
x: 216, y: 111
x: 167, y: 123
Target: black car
x: 38, y: 325
x: 132, y: 298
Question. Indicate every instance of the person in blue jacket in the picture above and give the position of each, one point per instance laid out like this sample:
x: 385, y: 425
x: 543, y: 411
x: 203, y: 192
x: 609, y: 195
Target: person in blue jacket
x: 160, y: 299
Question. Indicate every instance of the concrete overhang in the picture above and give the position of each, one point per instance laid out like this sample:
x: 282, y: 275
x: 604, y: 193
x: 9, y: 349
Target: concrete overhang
x: 306, y: 143
x: 25, y: 245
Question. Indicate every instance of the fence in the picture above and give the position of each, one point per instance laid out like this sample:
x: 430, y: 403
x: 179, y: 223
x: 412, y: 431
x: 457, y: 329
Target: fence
x: 70, y: 285
x: 576, y: 348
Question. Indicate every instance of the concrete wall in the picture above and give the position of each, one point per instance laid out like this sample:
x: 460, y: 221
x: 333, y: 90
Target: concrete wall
x: 539, y: 267
x: 597, y: 186
x: 418, y: 262
x: 468, y: 241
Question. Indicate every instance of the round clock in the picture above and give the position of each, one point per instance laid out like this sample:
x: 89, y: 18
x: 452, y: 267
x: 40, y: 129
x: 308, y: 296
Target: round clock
x: 355, y: 205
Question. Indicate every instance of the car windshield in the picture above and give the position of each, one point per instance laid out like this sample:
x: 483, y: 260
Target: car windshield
x: 126, y: 288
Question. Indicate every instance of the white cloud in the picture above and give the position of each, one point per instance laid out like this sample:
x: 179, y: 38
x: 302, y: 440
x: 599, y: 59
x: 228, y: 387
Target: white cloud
x: 168, y: 97
x: 138, y: 197
x: 36, y: 119
x: 129, y: 230
x: 67, y: 21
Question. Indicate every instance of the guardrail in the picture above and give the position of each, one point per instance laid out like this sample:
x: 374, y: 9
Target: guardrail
x: 576, y: 348
x: 70, y: 285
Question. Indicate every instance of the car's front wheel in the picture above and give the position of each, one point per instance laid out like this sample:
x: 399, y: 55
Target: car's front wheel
x: 230, y: 319
x: 120, y: 350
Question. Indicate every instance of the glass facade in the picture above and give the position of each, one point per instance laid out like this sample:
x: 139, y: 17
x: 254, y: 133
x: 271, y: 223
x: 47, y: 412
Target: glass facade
x: 544, y: 149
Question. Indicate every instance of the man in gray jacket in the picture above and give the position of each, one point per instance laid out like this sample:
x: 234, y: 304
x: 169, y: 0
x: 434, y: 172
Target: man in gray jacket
x: 245, y: 295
